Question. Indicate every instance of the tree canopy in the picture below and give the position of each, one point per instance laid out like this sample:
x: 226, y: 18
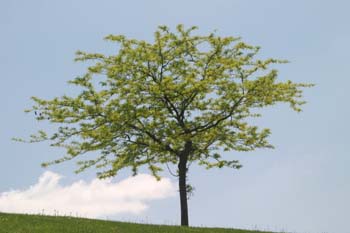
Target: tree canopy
x: 179, y: 99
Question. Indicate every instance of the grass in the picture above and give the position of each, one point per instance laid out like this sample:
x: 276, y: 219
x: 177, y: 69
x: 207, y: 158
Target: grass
x: 22, y: 223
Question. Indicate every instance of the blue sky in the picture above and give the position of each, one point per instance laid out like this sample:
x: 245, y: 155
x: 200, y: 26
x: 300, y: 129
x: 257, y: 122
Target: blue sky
x: 302, y: 185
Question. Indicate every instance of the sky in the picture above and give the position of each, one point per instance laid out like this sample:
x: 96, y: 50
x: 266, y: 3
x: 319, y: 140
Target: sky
x: 300, y: 186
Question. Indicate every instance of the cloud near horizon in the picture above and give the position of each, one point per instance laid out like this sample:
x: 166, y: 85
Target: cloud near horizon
x: 94, y: 199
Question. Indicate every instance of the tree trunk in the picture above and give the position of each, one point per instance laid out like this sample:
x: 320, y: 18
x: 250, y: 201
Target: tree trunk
x: 182, y: 182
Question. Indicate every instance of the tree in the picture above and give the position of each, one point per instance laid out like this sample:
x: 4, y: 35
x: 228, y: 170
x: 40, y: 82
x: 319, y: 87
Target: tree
x: 177, y: 100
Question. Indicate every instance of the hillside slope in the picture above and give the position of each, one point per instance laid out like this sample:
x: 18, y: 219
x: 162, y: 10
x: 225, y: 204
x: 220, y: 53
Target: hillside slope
x: 20, y: 223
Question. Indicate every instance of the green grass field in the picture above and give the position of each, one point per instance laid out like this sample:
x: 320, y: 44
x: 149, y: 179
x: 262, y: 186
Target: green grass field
x: 20, y: 223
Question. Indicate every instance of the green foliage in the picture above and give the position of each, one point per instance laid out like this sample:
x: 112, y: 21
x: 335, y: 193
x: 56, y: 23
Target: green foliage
x: 17, y: 223
x: 152, y: 98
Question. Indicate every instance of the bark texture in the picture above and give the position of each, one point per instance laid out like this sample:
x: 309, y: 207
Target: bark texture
x: 182, y: 182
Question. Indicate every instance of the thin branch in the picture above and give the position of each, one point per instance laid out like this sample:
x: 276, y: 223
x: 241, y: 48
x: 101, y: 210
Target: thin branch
x: 171, y: 173
x: 214, y: 123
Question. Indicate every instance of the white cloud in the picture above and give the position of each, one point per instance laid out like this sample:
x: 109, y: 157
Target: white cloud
x: 94, y: 199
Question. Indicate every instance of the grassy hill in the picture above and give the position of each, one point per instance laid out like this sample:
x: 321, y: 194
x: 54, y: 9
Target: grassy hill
x: 20, y: 223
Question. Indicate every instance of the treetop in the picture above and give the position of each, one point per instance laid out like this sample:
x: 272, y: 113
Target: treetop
x: 142, y: 105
